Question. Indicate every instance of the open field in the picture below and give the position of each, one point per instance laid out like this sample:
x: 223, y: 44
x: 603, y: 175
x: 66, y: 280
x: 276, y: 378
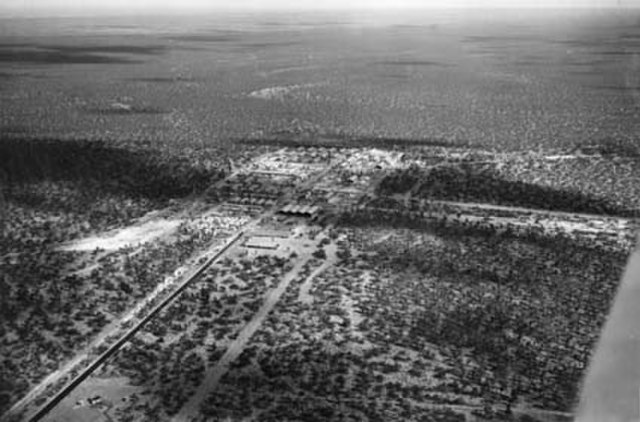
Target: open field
x: 432, y: 214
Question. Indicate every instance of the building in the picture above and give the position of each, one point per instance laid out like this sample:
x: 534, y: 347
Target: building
x: 261, y: 243
x: 308, y: 211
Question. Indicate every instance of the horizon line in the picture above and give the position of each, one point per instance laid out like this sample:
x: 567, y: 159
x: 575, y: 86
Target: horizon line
x: 114, y: 11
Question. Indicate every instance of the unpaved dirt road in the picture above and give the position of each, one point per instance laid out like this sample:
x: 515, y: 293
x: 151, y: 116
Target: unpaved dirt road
x: 215, y: 373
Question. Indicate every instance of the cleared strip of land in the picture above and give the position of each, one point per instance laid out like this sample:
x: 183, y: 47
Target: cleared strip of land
x: 215, y: 373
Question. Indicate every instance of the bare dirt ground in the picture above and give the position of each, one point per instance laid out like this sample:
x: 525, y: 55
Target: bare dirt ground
x: 127, y: 236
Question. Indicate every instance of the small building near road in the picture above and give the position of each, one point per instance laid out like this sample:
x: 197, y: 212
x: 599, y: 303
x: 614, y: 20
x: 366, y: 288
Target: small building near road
x: 261, y: 243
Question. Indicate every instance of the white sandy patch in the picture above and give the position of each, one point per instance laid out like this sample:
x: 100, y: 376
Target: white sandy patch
x: 121, y: 106
x: 277, y: 92
x: 375, y: 158
x: 128, y: 236
x: 561, y: 157
x: 289, y: 69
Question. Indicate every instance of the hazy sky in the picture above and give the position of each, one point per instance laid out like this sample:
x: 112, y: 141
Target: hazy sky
x: 17, y: 8
x: 40, y: 5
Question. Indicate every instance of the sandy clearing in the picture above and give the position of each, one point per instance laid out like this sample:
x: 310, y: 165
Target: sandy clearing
x: 111, y: 390
x: 278, y: 92
x: 128, y: 236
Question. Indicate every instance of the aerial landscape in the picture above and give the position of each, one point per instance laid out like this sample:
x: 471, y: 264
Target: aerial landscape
x: 327, y: 216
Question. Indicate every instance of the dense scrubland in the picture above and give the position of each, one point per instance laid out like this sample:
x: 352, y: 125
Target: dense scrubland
x: 427, y: 325
x: 95, y: 132
x: 530, y: 309
x: 168, y: 359
x: 537, y: 302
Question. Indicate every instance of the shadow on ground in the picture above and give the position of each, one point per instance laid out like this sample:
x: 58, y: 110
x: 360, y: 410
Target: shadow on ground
x: 346, y: 141
x: 75, y: 54
x: 488, y: 186
x: 124, y: 111
x: 104, y: 168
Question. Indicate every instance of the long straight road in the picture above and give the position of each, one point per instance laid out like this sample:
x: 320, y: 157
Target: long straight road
x: 22, y: 406
x: 116, y: 327
x: 216, y: 372
x: 111, y: 350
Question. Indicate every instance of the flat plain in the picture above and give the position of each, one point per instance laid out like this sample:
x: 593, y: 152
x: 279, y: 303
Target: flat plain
x: 395, y: 216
